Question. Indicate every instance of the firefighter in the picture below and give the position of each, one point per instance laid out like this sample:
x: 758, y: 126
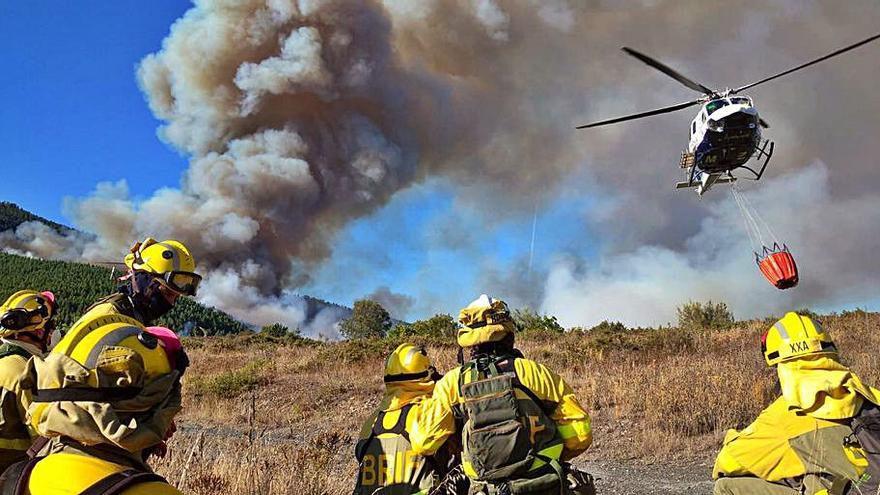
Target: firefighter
x: 27, y: 321
x: 384, y: 453
x: 819, y: 437
x: 520, y: 422
x: 106, y: 400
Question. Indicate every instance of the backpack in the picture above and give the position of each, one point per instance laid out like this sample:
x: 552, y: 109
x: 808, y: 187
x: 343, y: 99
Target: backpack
x: 866, y: 429
x: 509, y: 439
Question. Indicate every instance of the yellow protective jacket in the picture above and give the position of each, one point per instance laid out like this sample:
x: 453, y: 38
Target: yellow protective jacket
x: 784, y: 444
x: 385, y: 456
x: 437, y: 422
x: 71, y: 473
x: 114, y: 304
x: 15, y: 434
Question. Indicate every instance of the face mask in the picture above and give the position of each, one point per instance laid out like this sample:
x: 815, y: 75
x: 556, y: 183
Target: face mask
x: 147, y: 298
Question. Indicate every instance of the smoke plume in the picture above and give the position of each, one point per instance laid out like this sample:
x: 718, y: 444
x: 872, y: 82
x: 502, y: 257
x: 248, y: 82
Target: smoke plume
x: 300, y: 116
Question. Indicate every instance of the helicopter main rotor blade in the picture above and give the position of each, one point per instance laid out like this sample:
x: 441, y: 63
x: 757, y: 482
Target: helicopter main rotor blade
x: 669, y: 71
x: 812, y: 62
x: 763, y: 123
x: 643, y: 114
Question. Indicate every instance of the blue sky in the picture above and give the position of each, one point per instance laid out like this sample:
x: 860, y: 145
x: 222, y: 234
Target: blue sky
x: 73, y: 114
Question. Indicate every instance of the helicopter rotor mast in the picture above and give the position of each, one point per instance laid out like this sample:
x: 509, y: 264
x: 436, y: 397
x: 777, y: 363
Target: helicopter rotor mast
x: 669, y: 71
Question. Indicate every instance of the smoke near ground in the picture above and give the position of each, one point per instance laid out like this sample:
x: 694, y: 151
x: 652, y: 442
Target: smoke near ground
x: 644, y: 286
x: 300, y: 116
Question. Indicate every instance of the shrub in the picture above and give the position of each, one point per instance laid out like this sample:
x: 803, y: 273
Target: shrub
x: 230, y: 384
x: 710, y: 315
x: 530, y: 321
x: 278, y: 330
x: 368, y: 319
x: 352, y: 351
x: 438, y: 327
x: 608, y: 327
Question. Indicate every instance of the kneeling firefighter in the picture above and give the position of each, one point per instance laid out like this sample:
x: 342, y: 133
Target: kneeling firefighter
x: 158, y: 274
x: 521, y: 421
x: 27, y: 320
x: 821, y: 437
x: 105, y: 398
x: 387, y: 463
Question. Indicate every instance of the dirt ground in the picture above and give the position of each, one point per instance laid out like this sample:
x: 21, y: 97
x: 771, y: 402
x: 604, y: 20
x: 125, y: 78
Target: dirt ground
x: 613, y: 477
x: 661, y: 478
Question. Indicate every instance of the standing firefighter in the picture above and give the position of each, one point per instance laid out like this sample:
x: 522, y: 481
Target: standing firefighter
x: 158, y: 274
x: 387, y: 462
x: 26, y: 325
x: 521, y: 421
x: 106, y: 398
x: 819, y: 438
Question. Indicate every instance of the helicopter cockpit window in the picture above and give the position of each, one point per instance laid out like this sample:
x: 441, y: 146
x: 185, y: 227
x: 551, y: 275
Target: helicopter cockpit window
x: 715, y: 105
x: 739, y: 100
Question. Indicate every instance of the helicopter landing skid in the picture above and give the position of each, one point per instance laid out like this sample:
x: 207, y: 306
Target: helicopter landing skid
x: 761, y: 152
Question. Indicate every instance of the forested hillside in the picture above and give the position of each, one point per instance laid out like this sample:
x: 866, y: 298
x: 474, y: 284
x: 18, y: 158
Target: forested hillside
x: 77, y: 286
x: 12, y: 215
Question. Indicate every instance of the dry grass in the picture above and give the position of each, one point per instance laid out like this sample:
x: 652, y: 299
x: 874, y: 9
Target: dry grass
x: 652, y: 394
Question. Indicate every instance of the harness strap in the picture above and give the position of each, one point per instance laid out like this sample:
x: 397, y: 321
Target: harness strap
x: 116, y: 483
x: 22, y: 472
x: 98, y: 394
x: 399, y: 428
x: 557, y: 467
x: 37, y: 446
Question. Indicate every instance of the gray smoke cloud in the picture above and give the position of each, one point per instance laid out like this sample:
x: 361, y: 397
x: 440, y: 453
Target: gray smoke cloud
x: 644, y: 286
x: 300, y: 116
x: 398, y: 305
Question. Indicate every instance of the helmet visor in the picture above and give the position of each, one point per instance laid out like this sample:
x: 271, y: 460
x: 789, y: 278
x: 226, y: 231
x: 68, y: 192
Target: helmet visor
x: 186, y: 283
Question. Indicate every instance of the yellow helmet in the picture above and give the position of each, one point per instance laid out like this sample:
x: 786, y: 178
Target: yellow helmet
x: 169, y: 260
x: 795, y: 336
x: 484, y: 320
x: 27, y: 311
x: 408, y: 363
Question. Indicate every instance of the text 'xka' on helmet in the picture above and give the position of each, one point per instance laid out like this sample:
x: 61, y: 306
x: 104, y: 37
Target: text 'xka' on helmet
x: 27, y: 311
x: 111, y: 381
x: 170, y: 261
x: 484, y: 320
x: 795, y: 336
x: 408, y: 363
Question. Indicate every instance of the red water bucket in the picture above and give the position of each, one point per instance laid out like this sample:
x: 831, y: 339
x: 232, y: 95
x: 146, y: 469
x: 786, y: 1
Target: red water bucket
x: 778, y: 267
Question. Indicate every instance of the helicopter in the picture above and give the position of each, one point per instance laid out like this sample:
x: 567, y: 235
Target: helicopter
x: 726, y: 133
